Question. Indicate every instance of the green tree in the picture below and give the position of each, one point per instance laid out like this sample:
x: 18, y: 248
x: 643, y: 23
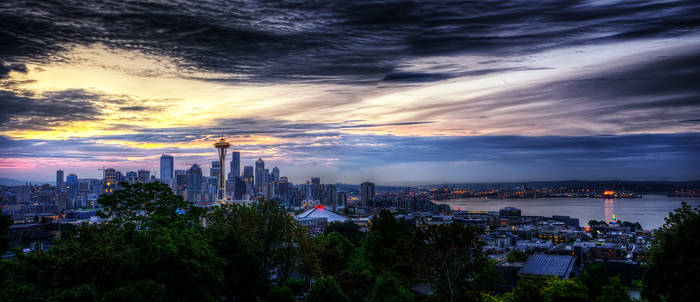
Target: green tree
x: 356, y: 284
x: 594, y: 278
x: 394, y: 246
x: 561, y: 290
x: 280, y: 294
x: 253, y: 240
x: 152, y: 203
x: 673, y: 261
x: 614, y: 291
x: 388, y: 288
x: 5, y: 223
x: 160, y: 257
x: 456, y: 267
x: 348, y: 229
x: 326, y: 289
x: 335, y: 253
x: 527, y: 290
x: 296, y: 285
x: 517, y: 256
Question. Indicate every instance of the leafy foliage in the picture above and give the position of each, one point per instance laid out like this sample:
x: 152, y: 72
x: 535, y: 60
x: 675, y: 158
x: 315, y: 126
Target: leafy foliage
x: 456, y: 266
x: 326, y: 289
x: 388, y: 288
x: 280, y: 294
x: 673, y: 259
x: 517, y: 256
x: 5, y: 223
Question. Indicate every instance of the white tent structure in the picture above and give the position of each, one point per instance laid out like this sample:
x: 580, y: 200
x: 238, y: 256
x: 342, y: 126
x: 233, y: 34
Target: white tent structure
x: 321, y: 212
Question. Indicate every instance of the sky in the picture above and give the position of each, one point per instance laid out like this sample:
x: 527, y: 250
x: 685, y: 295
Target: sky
x: 394, y: 92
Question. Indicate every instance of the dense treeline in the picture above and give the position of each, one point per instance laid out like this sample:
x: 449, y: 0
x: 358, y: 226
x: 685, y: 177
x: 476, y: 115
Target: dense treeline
x: 158, y: 247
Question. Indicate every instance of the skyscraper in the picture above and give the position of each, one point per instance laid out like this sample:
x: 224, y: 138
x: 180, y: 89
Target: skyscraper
x: 72, y: 184
x: 275, y: 175
x: 132, y: 177
x: 144, y: 176
x: 215, y: 169
x: 235, y: 169
x: 248, y: 178
x: 59, y: 179
x: 194, y: 183
x: 166, y: 169
x: 367, y: 194
x: 316, y: 187
x: 259, y: 175
x: 180, y: 181
x: 315, y: 180
x: 221, y: 147
x: 109, y: 180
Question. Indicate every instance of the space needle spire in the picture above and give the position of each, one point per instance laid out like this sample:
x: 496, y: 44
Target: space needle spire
x: 221, y: 146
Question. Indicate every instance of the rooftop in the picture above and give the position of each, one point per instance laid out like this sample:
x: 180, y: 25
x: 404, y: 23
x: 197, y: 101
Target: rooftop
x: 321, y: 213
x: 548, y: 265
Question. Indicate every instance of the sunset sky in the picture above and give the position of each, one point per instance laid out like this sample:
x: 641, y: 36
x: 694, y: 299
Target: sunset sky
x: 395, y: 92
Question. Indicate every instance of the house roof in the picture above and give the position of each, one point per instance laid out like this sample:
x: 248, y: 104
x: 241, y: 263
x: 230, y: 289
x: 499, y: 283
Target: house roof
x: 548, y: 265
x: 321, y: 213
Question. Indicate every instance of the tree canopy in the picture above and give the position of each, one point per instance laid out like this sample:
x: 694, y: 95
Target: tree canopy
x: 673, y: 261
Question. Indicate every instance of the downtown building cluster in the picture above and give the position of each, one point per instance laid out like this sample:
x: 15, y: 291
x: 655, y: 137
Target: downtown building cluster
x: 71, y: 195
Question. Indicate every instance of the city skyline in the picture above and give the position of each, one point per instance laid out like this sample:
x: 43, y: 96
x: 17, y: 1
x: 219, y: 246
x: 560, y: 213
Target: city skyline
x: 388, y: 92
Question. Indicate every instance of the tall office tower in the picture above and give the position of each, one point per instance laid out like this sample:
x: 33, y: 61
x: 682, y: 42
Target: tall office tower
x: 144, y: 176
x: 215, y: 169
x: 275, y: 175
x: 194, y: 182
x: 221, y: 147
x: 132, y: 177
x: 316, y: 187
x: 342, y: 199
x: 167, y: 169
x: 235, y: 169
x: 239, y: 188
x: 367, y: 194
x: 248, y: 173
x: 267, y: 176
x: 329, y: 195
x: 315, y: 180
x: 259, y: 174
x: 72, y: 184
x: 180, y: 182
x: 214, y: 172
x: 59, y: 179
x: 109, y: 180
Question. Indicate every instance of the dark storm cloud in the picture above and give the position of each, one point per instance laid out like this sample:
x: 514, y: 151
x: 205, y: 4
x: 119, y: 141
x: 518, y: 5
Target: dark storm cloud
x: 6, y: 68
x: 24, y: 110
x: 348, y: 41
x: 52, y: 109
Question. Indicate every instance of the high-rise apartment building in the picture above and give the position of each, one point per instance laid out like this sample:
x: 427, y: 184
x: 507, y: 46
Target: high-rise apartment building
x: 167, y: 169
x: 144, y: 176
x: 259, y: 175
x: 109, y: 180
x: 59, y: 179
x: 194, y: 183
x: 235, y: 169
x: 248, y: 175
x: 367, y: 194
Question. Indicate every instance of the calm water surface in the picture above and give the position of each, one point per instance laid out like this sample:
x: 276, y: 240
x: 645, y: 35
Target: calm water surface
x: 649, y: 210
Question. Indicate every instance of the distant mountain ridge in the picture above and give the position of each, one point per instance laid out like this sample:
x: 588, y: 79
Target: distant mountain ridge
x: 14, y: 182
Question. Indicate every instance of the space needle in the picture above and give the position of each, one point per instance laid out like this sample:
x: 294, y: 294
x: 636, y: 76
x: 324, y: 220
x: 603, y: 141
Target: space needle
x: 221, y: 146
